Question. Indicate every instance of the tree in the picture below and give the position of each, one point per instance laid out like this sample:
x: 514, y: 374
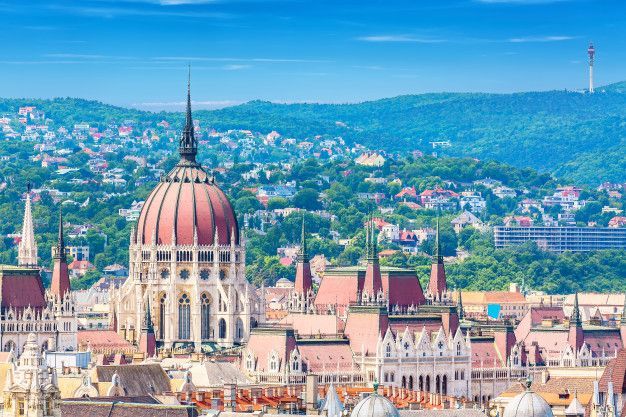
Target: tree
x: 308, y: 199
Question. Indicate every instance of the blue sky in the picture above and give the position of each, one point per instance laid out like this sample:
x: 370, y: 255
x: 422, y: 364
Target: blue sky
x: 135, y: 52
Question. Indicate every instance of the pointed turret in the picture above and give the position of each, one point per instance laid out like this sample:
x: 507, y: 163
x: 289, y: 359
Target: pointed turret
x: 437, y: 284
x: 147, y: 339
x: 188, y: 145
x: 373, y: 283
x: 27, y: 250
x: 576, y: 335
x: 60, y: 275
x: 459, y: 307
x: 304, y: 279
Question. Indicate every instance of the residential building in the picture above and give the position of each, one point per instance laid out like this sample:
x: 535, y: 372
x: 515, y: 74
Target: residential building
x: 562, y: 238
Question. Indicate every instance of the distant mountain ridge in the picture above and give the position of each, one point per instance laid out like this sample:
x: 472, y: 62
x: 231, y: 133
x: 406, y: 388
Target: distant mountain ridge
x: 579, y: 136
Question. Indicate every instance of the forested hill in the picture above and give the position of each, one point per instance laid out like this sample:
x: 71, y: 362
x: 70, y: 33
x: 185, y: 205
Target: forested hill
x: 579, y: 136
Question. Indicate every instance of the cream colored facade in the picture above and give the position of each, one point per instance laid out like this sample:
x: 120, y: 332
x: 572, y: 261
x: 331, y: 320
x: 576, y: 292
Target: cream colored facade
x: 198, y: 295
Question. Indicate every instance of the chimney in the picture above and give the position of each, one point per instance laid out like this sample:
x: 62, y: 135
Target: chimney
x: 311, y: 394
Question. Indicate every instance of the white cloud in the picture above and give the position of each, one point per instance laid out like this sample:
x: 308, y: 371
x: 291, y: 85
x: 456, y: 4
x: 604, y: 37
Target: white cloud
x: 180, y: 105
x: 541, y: 39
x: 399, y: 38
x: 520, y: 2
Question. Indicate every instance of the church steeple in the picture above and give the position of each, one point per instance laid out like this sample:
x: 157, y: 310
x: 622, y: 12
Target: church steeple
x: 576, y: 335
x: 188, y: 145
x: 27, y: 250
x: 60, y: 274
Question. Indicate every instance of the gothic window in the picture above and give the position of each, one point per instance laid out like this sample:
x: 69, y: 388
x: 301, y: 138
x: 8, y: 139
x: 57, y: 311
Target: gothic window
x: 205, y: 310
x: 239, y: 329
x: 222, y: 328
x: 205, y: 274
x: 165, y: 274
x: 184, y: 274
x: 222, y: 274
x: 393, y: 377
x: 184, y: 317
x: 386, y: 379
x: 250, y: 362
x: 440, y: 346
x: 388, y: 350
x: 406, y: 349
x: 162, y: 317
x: 458, y: 349
x: 273, y: 363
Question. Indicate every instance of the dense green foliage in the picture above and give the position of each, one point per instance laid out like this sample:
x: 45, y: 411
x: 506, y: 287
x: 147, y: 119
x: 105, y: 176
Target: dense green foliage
x: 576, y: 135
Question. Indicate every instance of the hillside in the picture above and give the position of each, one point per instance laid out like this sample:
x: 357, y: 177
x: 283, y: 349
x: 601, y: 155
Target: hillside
x: 570, y: 134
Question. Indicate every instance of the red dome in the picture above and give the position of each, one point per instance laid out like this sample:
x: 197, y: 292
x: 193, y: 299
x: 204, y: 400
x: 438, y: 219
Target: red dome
x: 187, y: 200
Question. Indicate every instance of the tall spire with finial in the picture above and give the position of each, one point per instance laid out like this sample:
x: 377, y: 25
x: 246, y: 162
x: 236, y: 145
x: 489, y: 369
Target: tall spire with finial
x: 60, y: 275
x: 304, y: 278
x: 438, y: 255
x: 147, y: 338
x: 27, y: 250
x: 437, y: 285
x: 373, y: 283
x: 188, y: 145
x: 459, y: 306
x: 575, y: 319
x: 576, y: 335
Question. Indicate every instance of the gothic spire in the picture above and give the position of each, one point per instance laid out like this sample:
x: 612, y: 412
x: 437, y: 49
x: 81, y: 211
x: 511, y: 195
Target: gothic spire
x: 437, y: 285
x: 60, y: 275
x: 302, y: 253
x: 459, y: 307
x: 438, y: 255
x: 188, y: 145
x: 575, y: 319
x: 147, y: 319
x: 304, y: 278
x: 60, y: 248
x: 27, y: 250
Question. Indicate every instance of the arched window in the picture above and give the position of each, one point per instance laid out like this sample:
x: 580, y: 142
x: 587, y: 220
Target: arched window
x: 388, y: 350
x: 458, y: 349
x: 205, y: 308
x: 420, y: 382
x: 162, y: 317
x: 250, y: 362
x: 411, y: 382
x: 184, y: 317
x: 427, y: 383
x: 273, y: 363
x: 444, y: 385
x: 239, y: 329
x: 222, y: 327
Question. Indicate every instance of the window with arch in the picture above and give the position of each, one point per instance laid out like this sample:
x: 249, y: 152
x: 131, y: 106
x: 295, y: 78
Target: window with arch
x: 250, y: 362
x: 273, y: 363
x: 162, y: 317
x: 222, y: 329
x: 406, y: 349
x: 184, y: 317
x: 184, y: 274
x: 388, y: 350
x: 458, y: 349
x: 165, y: 273
x: 205, y: 274
x: 205, y: 311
